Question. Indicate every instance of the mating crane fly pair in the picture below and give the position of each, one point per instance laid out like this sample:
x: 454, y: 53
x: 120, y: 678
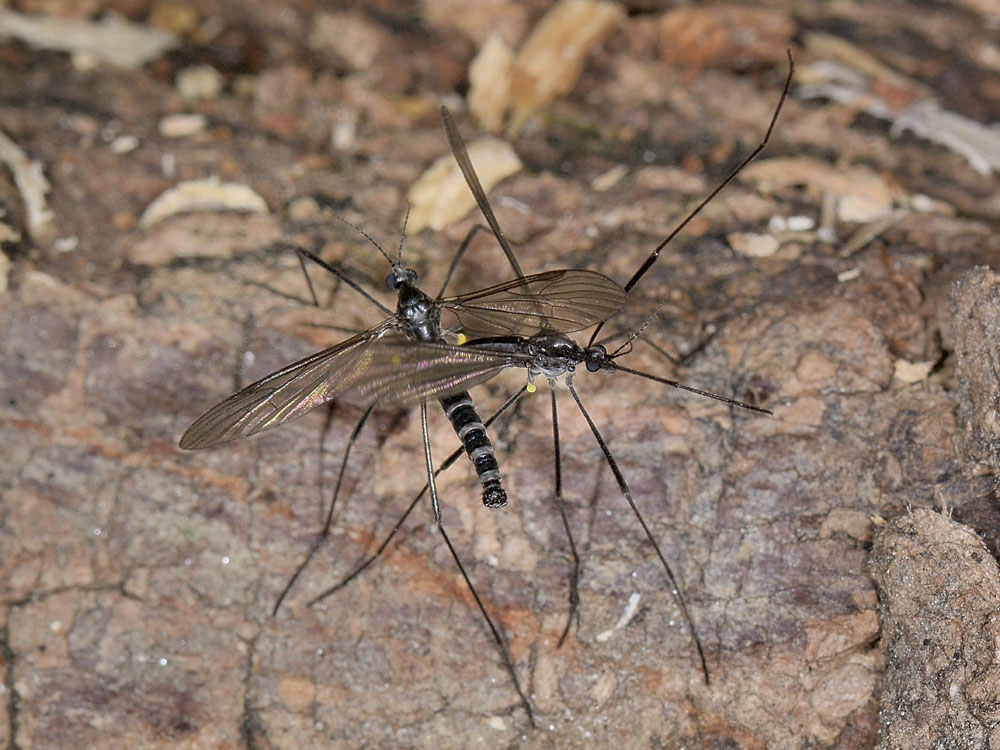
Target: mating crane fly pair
x: 440, y: 347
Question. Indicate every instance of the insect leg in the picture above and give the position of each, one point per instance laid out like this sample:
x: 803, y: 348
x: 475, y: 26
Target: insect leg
x: 501, y: 646
x: 574, y: 574
x: 651, y: 259
x: 321, y: 537
x: 435, y: 502
x: 436, y: 506
x: 458, y: 256
x: 305, y: 254
x: 627, y: 494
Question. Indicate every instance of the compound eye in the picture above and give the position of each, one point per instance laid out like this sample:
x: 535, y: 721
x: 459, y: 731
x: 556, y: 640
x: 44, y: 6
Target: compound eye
x: 596, y: 355
x: 391, y: 281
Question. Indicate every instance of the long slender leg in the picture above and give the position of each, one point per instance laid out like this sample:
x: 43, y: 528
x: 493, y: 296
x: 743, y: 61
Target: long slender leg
x: 436, y: 506
x: 651, y: 259
x: 305, y: 254
x: 279, y: 248
x: 729, y: 178
x: 302, y: 255
x: 343, y: 467
x: 501, y: 646
x: 627, y: 494
x: 574, y: 574
x: 435, y: 502
x: 331, y: 410
x: 413, y: 504
x: 325, y: 532
x: 458, y: 256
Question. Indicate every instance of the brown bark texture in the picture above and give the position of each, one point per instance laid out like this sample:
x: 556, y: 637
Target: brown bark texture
x: 843, y: 281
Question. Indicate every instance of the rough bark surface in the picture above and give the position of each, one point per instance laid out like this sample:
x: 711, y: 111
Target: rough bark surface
x: 975, y: 317
x: 939, y: 606
x: 137, y: 580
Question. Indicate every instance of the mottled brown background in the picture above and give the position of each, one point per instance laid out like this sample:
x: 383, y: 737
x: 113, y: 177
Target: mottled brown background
x: 137, y: 580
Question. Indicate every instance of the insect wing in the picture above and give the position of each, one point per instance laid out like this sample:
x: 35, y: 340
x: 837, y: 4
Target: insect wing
x: 564, y: 300
x: 404, y: 372
x: 461, y: 154
x: 285, y: 394
x: 378, y: 365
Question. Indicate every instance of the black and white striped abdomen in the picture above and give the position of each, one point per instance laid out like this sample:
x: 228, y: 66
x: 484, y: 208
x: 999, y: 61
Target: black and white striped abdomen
x: 471, y: 432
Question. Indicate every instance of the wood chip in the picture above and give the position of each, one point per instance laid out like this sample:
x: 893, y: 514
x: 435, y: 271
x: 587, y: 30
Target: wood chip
x: 863, y: 195
x: 203, y: 195
x: 696, y: 37
x: 32, y: 185
x: 549, y: 63
x: 181, y: 125
x: 440, y: 197
x: 845, y: 73
x: 199, y: 83
x: 609, y: 179
x: 753, y: 245
x: 348, y: 37
x: 112, y: 39
x: 911, y: 372
x: 489, y: 83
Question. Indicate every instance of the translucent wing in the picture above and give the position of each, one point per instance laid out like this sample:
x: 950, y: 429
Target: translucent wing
x: 563, y: 300
x: 379, y: 364
x: 283, y: 395
x: 404, y: 372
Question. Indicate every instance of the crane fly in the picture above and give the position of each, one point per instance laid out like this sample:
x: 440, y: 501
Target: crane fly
x: 440, y: 347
